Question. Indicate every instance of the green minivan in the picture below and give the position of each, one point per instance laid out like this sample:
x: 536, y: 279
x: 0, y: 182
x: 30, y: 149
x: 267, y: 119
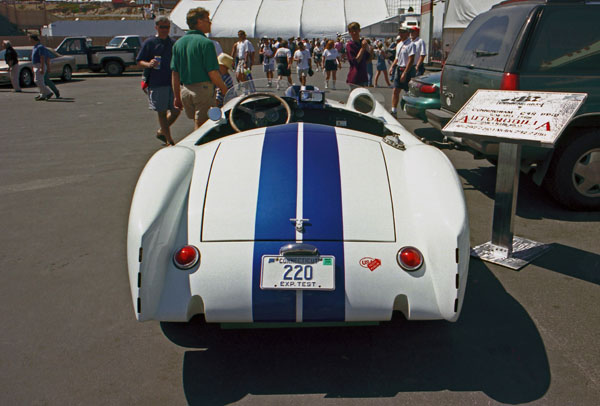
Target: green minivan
x: 535, y: 45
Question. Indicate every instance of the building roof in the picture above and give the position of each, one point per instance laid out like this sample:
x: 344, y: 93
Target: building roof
x: 283, y: 18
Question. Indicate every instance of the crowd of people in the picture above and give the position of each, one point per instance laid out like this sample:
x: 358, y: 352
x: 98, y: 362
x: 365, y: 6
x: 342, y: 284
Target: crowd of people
x: 193, y: 73
x: 189, y: 69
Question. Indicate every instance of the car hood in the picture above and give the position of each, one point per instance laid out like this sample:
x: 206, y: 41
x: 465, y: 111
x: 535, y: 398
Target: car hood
x: 298, y: 182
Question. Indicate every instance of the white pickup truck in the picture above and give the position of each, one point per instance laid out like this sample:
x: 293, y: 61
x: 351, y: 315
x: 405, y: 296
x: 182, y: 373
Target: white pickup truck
x: 97, y: 58
x: 126, y: 41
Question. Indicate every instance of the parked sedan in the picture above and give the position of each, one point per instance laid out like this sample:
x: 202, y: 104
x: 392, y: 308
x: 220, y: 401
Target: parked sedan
x: 423, y: 93
x: 60, y: 66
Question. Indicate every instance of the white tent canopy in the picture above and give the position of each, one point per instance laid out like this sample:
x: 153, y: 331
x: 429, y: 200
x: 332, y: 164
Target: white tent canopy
x: 283, y: 18
x: 461, y: 12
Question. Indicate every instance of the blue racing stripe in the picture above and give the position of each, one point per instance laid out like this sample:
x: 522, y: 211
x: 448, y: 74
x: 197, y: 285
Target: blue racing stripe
x: 277, y: 189
x: 322, y: 205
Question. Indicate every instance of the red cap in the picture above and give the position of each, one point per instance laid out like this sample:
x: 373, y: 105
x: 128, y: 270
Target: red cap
x: 415, y: 29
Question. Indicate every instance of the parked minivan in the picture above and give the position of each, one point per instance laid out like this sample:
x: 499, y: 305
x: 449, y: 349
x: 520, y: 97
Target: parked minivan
x: 535, y: 45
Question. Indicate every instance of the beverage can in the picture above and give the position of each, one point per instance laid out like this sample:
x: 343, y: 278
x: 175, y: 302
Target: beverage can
x: 158, y: 58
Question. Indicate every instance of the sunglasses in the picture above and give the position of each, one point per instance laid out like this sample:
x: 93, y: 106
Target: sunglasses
x: 164, y: 27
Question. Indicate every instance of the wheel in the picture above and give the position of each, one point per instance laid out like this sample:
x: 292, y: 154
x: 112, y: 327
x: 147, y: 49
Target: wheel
x: 113, y: 68
x: 259, y: 118
x: 573, y: 177
x: 26, y: 77
x: 67, y: 73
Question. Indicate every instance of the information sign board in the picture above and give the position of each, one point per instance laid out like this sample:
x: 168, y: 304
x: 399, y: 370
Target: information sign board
x: 534, y: 118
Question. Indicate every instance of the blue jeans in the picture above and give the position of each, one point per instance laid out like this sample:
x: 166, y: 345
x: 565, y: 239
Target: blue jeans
x: 51, y: 84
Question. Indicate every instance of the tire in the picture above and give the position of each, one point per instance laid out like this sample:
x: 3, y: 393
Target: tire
x: 67, y: 73
x: 573, y: 177
x: 113, y: 68
x: 26, y: 77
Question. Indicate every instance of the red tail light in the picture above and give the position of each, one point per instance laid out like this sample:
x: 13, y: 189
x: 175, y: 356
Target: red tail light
x: 510, y: 81
x: 186, y: 257
x: 410, y: 258
x: 429, y: 89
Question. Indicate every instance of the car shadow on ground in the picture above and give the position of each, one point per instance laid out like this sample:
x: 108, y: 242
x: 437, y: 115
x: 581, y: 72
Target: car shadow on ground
x: 494, y: 348
x: 571, y: 262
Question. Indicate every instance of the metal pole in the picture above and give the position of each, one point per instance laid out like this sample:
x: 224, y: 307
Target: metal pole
x: 507, y: 187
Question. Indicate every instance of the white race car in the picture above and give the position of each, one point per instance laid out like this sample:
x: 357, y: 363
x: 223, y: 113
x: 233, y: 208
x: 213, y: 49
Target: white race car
x: 292, y: 207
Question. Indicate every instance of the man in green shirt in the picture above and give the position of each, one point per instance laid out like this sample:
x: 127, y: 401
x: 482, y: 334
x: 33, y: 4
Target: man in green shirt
x: 195, y: 69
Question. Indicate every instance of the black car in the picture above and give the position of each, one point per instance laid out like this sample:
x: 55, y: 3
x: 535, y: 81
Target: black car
x: 535, y: 46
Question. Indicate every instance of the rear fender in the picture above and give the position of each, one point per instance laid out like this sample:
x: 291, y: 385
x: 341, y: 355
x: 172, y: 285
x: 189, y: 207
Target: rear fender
x: 157, y: 210
x: 429, y: 201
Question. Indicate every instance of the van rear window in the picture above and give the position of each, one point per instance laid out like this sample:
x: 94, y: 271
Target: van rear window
x: 567, y: 41
x: 489, y: 39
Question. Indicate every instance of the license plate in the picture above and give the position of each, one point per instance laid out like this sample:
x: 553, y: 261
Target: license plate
x: 297, y: 273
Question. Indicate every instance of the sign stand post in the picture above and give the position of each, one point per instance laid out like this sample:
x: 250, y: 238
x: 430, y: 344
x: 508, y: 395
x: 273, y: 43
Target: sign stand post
x: 513, y: 119
x: 505, y: 248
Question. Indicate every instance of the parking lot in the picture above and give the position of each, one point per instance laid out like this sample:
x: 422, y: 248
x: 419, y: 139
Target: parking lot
x: 69, y: 168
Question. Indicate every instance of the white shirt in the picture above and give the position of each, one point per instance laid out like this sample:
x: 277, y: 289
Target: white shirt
x: 242, y: 49
x: 330, y: 54
x: 302, y: 57
x: 403, y: 51
x: 420, y: 48
x: 283, y: 52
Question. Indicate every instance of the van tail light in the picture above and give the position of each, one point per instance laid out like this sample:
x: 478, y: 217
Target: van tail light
x: 429, y: 89
x: 186, y: 257
x: 510, y: 81
x: 409, y: 258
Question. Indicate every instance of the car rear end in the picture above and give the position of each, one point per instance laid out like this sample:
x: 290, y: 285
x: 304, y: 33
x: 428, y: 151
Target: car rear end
x: 423, y: 93
x: 485, y: 57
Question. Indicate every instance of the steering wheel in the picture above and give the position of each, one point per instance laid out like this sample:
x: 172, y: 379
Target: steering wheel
x: 259, y: 117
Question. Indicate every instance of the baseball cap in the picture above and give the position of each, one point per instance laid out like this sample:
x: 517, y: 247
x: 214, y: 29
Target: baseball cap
x: 415, y: 29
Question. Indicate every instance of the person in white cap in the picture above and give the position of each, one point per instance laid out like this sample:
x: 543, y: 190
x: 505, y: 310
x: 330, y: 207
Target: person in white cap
x: 420, y: 51
x: 404, y: 65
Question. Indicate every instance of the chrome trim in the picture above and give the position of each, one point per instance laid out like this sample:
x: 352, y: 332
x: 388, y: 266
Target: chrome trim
x: 299, y: 224
x: 394, y: 142
x: 298, y: 249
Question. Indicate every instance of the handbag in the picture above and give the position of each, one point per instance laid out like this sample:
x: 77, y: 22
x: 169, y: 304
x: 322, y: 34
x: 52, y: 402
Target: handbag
x: 310, y: 72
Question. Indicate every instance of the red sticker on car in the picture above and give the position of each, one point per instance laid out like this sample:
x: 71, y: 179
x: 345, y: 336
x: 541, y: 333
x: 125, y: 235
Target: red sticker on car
x: 370, y: 263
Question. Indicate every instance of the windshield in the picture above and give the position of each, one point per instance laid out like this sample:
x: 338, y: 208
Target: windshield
x: 268, y: 105
x: 115, y: 42
x: 284, y: 89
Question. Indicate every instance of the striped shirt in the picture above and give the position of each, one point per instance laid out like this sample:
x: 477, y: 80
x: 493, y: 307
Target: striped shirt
x: 229, y: 83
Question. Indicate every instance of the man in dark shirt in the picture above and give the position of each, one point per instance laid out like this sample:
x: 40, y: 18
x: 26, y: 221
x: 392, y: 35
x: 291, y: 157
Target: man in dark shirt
x: 358, y: 56
x: 155, y: 57
x: 12, y: 60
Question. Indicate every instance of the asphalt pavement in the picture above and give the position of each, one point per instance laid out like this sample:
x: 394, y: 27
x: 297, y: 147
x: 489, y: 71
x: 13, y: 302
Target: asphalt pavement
x: 69, y: 334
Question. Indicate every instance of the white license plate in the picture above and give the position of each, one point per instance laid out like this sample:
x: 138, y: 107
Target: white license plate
x: 298, y: 273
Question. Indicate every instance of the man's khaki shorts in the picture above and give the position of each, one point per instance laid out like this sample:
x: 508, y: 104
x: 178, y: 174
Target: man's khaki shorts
x: 197, y: 98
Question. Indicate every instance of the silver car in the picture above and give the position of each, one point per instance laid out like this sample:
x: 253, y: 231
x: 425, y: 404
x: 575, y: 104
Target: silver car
x: 60, y: 66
